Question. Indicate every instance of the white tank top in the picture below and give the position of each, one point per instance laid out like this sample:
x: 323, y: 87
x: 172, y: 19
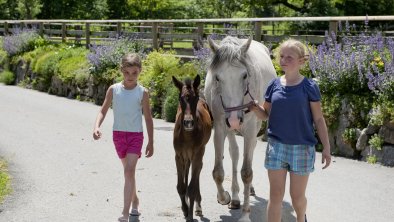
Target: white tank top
x: 127, y: 108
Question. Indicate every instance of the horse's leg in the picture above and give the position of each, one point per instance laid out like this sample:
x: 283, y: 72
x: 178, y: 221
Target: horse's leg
x: 234, y: 154
x: 194, y: 186
x: 181, y: 185
x: 223, y: 196
x: 198, y: 160
x: 247, y: 172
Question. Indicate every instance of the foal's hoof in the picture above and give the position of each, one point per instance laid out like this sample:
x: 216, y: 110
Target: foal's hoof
x: 234, y: 204
x: 226, y: 200
x: 252, y: 191
x: 199, y: 213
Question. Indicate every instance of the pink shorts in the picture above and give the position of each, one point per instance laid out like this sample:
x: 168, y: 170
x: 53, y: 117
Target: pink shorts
x: 128, y: 142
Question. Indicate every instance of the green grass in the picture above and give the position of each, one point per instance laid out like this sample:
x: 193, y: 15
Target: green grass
x: 5, y: 187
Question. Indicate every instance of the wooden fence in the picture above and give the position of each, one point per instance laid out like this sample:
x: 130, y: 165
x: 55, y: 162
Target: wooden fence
x: 166, y: 33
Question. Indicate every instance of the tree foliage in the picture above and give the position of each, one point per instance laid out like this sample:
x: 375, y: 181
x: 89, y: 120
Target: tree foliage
x: 175, y: 9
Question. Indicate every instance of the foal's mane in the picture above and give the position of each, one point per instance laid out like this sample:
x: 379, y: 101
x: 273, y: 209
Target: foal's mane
x: 229, y: 51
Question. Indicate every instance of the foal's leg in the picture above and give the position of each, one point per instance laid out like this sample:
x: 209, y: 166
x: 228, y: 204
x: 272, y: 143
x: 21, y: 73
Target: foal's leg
x: 234, y: 154
x: 223, y: 196
x: 194, y: 186
x: 181, y: 185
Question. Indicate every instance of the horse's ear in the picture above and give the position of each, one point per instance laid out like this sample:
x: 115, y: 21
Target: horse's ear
x: 196, y: 81
x: 177, y: 83
x: 245, y: 46
x: 214, y: 47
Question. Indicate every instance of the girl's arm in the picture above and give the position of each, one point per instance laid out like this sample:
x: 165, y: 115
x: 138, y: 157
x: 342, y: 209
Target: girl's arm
x: 321, y: 127
x: 101, y: 115
x: 148, y: 122
x: 262, y: 111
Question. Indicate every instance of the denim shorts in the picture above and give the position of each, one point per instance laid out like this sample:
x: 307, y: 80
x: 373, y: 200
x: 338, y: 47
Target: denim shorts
x: 298, y: 159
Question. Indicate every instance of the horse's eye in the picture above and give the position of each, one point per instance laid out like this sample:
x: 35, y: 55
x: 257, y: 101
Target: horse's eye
x: 245, y: 75
x: 217, y: 79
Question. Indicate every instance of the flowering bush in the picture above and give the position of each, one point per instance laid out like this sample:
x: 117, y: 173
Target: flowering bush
x: 357, y: 66
x: 103, y: 57
x: 22, y: 40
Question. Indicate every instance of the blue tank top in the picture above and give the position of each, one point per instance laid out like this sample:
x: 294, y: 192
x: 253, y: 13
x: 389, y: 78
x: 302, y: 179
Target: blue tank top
x: 127, y: 108
x: 290, y: 120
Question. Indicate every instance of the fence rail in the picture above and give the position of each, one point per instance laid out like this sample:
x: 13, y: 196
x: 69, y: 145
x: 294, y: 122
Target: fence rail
x: 164, y: 33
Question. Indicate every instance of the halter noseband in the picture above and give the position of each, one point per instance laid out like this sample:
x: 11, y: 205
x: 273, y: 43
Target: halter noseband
x: 241, y: 107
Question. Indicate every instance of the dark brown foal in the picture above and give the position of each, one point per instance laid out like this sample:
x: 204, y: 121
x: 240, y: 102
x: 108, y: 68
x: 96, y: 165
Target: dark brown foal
x: 192, y: 131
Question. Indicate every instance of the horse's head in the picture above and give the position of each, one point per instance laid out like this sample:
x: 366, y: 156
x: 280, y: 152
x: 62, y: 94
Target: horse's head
x: 230, y: 78
x: 188, y: 99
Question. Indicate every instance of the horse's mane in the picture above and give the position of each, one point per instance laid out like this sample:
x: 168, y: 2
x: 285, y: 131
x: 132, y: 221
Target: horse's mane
x: 229, y: 51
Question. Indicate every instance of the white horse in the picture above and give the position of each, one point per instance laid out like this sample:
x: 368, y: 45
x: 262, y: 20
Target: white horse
x: 239, y: 73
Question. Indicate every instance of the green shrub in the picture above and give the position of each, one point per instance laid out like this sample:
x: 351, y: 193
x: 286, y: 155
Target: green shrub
x: 158, y: 67
x: 171, y: 104
x: 372, y: 159
x: 68, y: 67
x: 7, y: 77
x: 349, y: 135
x: 45, y: 68
x: 3, y: 58
x: 376, y: 142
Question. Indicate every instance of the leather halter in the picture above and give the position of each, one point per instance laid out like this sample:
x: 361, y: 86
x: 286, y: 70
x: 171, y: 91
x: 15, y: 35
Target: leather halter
x: 241, y: 107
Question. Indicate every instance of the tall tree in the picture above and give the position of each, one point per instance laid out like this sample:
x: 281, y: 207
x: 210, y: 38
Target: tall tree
x: 28, y: 9
x: 74, y: 9
x: 117, y: 9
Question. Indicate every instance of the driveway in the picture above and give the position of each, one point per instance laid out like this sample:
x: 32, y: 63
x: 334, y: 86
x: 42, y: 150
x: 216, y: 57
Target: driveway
x: 59, y: 173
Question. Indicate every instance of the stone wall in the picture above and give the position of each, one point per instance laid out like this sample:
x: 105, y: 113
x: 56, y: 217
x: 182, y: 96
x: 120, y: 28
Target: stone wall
x: 91, y: 91
x: 361, y: 149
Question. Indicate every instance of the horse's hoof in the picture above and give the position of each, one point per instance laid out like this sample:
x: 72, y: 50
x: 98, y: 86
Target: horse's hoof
x: 199, y: 213
x: 252, y: 191
x: 234, y: 204
x: 226, y: 200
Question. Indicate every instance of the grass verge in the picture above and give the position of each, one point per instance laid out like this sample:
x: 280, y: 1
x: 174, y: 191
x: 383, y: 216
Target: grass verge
x: 5, y: 181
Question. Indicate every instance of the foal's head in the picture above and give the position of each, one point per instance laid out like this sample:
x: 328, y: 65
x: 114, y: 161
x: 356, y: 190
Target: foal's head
x: 188, y: 99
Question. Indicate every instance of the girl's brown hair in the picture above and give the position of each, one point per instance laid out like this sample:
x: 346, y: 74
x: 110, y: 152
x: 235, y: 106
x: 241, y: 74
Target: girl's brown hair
x: 131, y: 59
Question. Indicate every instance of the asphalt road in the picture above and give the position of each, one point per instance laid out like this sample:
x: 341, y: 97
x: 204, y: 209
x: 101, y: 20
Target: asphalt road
x: 59, y: 173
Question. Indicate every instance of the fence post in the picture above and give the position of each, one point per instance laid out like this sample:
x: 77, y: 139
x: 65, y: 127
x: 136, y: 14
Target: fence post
x: 64, y: 31
x: 155, y: 33
x: 200, y: 36
x: 41, y: 29
x: 119, y: 29
x: 333, y: 28
x: 5, y: 28
x: 257, y: 31
x: 87, y: 34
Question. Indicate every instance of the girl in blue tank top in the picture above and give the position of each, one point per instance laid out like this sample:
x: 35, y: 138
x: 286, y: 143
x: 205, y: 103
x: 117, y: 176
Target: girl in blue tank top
x: 129, y: 101
x: 293, y: 109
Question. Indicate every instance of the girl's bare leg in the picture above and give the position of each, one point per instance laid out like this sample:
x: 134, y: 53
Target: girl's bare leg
x: 277, y: 179
x: 298, y: 184
x: 129, y: 166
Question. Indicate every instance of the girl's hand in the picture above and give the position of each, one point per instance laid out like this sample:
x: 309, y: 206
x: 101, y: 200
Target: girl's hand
x: 96, y: 134
x: 254, y: 106
x: 149, y: 150
x: 326, y: 157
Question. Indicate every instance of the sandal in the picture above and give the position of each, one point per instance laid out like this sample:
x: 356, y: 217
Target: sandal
x: 135, y: 212
x: 123, y: 219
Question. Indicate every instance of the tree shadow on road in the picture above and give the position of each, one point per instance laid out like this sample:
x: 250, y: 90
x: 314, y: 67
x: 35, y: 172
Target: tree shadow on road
x: 258, y: 213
